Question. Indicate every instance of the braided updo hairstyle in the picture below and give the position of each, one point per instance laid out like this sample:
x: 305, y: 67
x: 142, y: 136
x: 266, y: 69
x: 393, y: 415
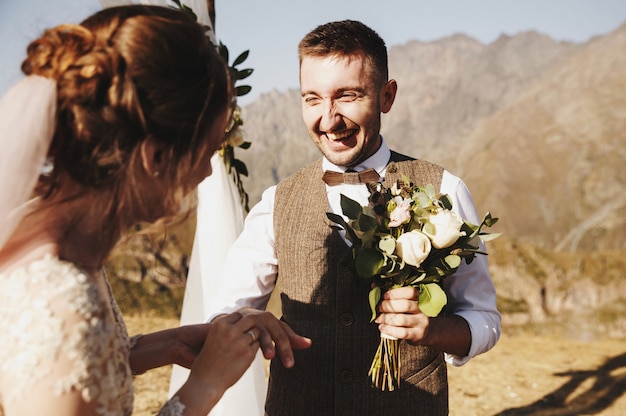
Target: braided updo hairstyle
x: 124, y: 74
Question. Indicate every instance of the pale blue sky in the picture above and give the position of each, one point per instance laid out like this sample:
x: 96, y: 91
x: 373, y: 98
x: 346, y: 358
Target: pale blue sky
x: 271, y: 29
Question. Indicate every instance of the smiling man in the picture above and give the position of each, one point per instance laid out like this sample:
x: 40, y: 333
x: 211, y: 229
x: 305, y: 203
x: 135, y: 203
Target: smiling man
x: 289, y: 247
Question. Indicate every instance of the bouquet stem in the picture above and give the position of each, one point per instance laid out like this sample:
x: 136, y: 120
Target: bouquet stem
x: 385, y: 370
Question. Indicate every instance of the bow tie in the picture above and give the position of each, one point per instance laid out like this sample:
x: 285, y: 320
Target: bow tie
x: 352, y: 178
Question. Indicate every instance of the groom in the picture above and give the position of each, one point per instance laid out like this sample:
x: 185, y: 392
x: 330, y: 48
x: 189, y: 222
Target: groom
x: 288, y: 247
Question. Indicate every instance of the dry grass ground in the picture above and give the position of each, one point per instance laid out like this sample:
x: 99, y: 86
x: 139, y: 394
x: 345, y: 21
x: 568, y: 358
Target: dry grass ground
x: 522, y: 375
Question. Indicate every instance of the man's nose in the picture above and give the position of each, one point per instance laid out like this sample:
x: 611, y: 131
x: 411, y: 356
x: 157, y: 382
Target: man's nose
x: 330, y: 116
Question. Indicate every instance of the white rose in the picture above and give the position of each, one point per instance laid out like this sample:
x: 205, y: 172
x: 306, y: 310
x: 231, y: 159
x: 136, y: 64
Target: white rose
x: 413, y: 247
x: 446, y: 230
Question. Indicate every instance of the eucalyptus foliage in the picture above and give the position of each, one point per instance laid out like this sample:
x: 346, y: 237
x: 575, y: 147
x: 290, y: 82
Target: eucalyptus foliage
x: 407, y: 235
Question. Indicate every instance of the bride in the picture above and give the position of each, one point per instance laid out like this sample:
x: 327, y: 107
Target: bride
x: 114, y: 124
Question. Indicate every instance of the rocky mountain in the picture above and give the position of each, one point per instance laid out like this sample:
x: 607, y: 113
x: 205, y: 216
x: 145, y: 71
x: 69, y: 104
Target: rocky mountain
x: 552, y: 160
x: 536, y: 128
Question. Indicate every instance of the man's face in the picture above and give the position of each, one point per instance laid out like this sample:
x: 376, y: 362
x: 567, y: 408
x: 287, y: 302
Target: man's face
x: 341, y: 107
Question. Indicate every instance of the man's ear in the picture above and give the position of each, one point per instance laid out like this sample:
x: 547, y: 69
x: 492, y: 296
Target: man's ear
x: 152, y: 156
x: 388, y: 95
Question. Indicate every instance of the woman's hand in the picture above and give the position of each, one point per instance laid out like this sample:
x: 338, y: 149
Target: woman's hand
x: 275, y: 336
x: 230, y: 345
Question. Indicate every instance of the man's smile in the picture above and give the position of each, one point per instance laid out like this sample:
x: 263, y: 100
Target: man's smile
x: 341, y: 136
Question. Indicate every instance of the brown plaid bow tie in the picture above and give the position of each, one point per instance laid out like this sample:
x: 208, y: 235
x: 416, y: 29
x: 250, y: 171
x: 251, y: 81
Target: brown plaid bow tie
x: 352, y: 178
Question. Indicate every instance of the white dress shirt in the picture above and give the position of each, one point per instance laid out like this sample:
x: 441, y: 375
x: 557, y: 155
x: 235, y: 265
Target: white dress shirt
x: 251, y: 267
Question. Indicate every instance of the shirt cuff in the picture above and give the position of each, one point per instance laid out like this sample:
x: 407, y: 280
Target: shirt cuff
x: 485, y: 330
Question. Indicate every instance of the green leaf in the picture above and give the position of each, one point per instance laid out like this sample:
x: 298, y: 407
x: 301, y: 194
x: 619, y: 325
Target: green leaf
x: 223, y: 50
x: 368, y: 262
x: 428, y: 278
x: 446, y: 201
x: 415, y: 279
x: 337, y: 219
x: 432, y: 299
x: 367, y: 237
x: 241, y: 167
x: 387, y: 244
x: 422, y: 200
x: 490, y: 236
x: 441, y: 272
x: 401, y: 277
x: 391, y: 267
x: 374, y: 297
x: 489, y: 220
x: 430, y: 190
x: 244, y: 73
x: 429, y: 228
x: 350, y: 234
x: 471, y: 230
x: 242, y: 57
x: 242, y: 90
x: 453, y: 261
x: 350, y: 207
x: 366, y: 222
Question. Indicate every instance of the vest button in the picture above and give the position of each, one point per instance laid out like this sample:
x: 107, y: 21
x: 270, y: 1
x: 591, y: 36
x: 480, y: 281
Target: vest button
x: 345, y: 376
x: 346, y: 319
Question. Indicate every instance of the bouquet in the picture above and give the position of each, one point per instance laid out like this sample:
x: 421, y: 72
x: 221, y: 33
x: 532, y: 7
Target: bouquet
x: 407, y: 236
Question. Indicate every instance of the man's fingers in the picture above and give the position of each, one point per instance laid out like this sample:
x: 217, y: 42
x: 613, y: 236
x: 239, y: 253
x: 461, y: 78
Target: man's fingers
x: 298, y: 342
x: 399, y: 306
x: 407, y: 292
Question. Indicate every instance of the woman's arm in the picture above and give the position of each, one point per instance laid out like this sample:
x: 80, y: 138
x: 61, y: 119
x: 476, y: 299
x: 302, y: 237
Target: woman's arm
x: 170, y: 346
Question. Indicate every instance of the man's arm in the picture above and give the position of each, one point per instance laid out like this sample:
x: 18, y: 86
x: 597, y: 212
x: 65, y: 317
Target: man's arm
x: 249, y: 272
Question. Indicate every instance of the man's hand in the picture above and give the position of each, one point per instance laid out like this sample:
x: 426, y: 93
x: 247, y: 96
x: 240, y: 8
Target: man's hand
x: 275, y: 336
x: 189, y: 341
x: 401, y: 317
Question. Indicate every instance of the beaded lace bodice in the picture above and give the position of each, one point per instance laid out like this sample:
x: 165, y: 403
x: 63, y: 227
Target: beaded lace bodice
x: 62, y: 334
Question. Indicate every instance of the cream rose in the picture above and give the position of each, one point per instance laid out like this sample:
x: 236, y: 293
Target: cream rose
x: 447, y: 228
x: 413, y: 247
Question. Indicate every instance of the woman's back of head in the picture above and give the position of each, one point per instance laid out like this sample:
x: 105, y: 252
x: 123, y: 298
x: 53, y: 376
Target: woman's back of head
x: 125, y: 74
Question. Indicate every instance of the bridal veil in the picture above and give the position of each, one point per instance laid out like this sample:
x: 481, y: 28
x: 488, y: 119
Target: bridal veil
x: 27, y: 122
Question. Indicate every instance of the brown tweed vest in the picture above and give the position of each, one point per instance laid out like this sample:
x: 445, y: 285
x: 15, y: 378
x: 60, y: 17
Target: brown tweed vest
x: 321, y: 299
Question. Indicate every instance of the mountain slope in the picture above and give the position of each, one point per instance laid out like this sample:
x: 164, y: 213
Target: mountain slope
x: 536, y: 127
x: 551, y: 163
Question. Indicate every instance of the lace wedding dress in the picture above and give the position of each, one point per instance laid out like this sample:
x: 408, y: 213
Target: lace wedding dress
x: 63, y: 334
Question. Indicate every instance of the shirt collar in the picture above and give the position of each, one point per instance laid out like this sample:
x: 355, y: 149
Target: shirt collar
x: 378, y: 161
